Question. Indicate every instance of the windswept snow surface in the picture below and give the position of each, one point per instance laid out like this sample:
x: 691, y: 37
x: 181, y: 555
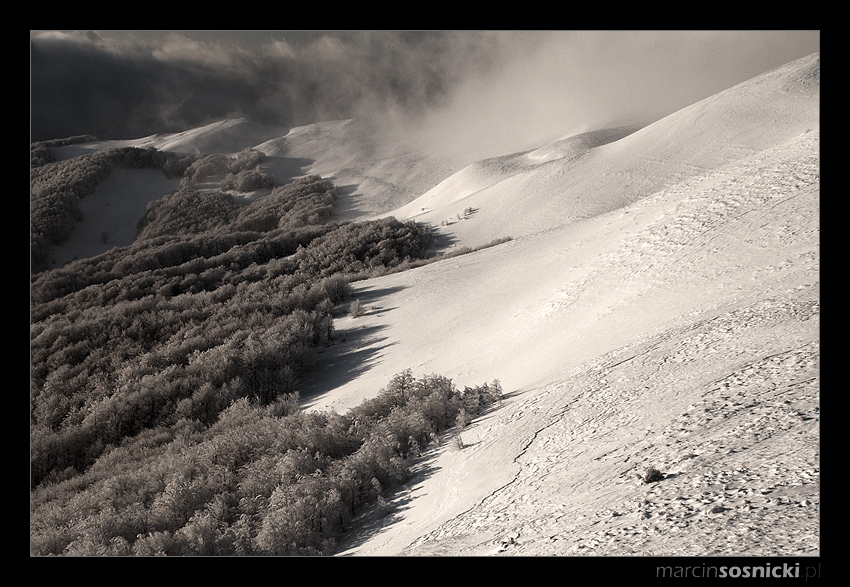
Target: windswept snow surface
x: 679, y: 330
x: 680, y: 333
x: 595, y: 173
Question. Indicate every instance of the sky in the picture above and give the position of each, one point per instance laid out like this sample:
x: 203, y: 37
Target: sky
x: 500, y: 89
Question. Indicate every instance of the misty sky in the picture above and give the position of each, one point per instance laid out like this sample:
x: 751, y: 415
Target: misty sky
x: 506, y: 89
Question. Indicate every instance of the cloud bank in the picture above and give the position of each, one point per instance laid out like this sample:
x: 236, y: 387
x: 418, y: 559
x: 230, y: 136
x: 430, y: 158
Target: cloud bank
x: 503, y: 89
x: 118, y: 85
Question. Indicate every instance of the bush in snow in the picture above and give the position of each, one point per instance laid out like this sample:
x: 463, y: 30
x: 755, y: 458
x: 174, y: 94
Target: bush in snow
x: 247, y: 181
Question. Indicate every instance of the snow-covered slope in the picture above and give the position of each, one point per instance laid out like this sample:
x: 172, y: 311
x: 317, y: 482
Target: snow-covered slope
x: 670, y: 320
x: 376, y: 170
x: 226, y: 136
x: 599, y: 172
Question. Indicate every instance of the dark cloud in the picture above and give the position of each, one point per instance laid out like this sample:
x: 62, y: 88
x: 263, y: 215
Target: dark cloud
x: 121, y: 86
x: 500, y: 88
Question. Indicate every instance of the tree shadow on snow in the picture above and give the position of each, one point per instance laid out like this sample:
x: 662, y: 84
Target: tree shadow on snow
x: 355, y: 350
x: 443, y: 243
x: 344, y: 203
x: 360, y: 350
x: 285, y: 169
x: 372, y: 295
x: 377, y: 518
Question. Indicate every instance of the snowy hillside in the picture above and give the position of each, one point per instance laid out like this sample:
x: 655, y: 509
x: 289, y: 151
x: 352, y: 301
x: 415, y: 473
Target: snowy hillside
x: 665, y: 315
x: 596, y: 173
x: 658, y: 305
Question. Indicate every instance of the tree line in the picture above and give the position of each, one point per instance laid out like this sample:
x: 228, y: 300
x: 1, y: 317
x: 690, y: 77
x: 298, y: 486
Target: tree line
x: 181, y: 326
x: 261, y: 480
x: 165, y: 375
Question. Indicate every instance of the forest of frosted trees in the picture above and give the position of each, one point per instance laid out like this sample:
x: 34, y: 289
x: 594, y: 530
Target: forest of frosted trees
x: 165, y: 375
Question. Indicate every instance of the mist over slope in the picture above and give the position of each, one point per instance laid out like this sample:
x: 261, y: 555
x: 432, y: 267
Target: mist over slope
x: 584, y: 176
x: 658, y: 305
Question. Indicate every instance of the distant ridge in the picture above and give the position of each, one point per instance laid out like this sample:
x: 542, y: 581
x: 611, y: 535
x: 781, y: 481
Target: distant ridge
x: 225, y: 136
x: 599, y: 177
